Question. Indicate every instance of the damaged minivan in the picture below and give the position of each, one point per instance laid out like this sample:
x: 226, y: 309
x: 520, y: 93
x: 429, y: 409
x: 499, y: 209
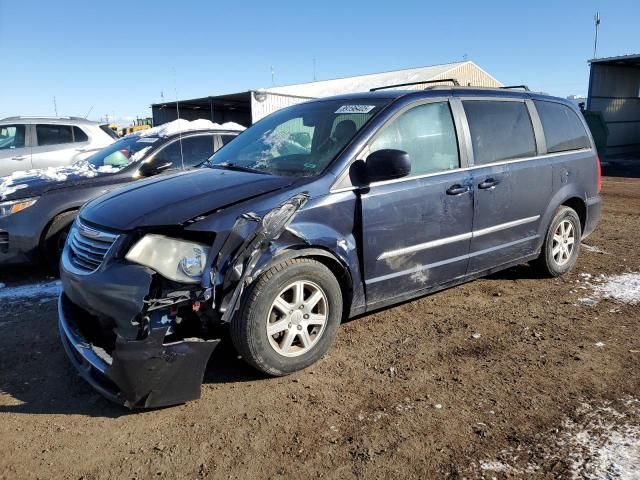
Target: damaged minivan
x: 320, y: 212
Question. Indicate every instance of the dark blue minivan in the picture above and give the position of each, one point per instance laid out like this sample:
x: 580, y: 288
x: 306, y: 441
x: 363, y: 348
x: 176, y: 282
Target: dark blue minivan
x: 320, y: 212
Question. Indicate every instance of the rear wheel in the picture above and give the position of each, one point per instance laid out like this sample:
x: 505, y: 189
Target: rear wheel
x: 561, y: 245
x: 54, y: 240
x: 289, y: 317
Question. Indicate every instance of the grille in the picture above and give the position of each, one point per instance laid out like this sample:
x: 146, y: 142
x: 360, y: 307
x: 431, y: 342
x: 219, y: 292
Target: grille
x: 4, y: 241
x: 88, y: 247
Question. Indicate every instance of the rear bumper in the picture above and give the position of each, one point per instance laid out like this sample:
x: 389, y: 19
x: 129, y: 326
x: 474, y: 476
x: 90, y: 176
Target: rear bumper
x: 143, y: 373
x: 594, y: 212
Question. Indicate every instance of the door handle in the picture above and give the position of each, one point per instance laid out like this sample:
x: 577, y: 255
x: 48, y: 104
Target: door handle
x: 18, y: 157
x: 488, y: 183
x: 457, y: 189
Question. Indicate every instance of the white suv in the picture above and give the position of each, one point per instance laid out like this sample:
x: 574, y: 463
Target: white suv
x: 39, y: 142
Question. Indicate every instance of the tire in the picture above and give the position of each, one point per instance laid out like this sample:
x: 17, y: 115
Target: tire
x: 554, y: 259
x: 53, y: 241
x: 270, y: 353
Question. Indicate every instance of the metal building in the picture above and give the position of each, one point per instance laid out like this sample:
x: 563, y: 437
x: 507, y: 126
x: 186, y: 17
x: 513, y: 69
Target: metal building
x: 614, y: 91
x: 248, y: 107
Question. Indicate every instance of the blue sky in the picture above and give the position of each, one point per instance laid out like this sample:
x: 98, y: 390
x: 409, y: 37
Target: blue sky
x: 117, y: 56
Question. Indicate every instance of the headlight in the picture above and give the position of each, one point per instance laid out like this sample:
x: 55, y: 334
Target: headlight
x: 178, y: 260
x: 14, y: 206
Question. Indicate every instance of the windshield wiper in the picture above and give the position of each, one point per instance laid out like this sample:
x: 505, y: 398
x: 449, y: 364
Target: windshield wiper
x: 233, y: 166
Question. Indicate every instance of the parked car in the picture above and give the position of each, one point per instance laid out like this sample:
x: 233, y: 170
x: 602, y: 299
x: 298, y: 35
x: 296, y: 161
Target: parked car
x: 398, y: 194
x: 37, y: 207
x: 39, y: 142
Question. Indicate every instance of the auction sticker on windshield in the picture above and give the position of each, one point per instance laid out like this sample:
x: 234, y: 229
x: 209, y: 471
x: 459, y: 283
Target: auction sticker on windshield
x: 355, y: 108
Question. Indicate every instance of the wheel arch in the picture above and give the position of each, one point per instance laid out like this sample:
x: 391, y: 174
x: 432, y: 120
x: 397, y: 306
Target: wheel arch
x: 568, y: 196
x: 580, y: 207
x: 337, y: 266
x: 48, y: 225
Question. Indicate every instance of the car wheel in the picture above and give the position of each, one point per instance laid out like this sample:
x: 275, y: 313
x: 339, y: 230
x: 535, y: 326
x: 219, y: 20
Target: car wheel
x: 290, y: 317
x: 561, y: 245
x: 55, y: 238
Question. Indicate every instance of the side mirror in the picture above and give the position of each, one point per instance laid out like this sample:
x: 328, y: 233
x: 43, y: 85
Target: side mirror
x: 153, y: 168
x: 387, y: 164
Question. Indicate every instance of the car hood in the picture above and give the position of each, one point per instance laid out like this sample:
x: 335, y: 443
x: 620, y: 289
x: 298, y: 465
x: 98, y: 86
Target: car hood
x: 33, y: 183
x: 175, y: 199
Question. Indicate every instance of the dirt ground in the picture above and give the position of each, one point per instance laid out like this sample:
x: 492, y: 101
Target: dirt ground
x: 493, y: 379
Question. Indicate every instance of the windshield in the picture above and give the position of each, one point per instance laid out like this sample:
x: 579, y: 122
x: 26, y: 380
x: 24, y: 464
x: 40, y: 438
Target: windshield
x: 123, y: 152
x: 298, y: 141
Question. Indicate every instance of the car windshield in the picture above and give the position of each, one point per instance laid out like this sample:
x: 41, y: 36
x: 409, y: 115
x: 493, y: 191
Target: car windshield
x: 298, y: 141
x: 123, y: 152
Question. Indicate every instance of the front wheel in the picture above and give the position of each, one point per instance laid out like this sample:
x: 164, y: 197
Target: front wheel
x: 54, y: 240
x: 290, y: 317
x: 561, y: 245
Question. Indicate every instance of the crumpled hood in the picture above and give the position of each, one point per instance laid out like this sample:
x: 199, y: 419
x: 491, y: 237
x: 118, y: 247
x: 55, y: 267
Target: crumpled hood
x: 173, y: 200
x: 33, y: 183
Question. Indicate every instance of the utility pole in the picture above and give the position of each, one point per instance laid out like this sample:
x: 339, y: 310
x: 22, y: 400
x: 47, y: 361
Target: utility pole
x: 55, y: 106
x: 596, y: 19
x: 314, y: 69
x: 273, y: 77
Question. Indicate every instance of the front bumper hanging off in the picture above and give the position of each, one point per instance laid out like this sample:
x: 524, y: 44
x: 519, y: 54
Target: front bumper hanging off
x: 139, y: 373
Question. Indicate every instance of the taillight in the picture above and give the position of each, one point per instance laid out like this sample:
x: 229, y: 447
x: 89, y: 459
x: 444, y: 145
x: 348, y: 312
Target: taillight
x: 598, y: 174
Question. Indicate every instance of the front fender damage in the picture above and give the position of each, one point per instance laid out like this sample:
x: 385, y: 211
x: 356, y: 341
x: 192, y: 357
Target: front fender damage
x: 158, y: 356
x: 250, y: 237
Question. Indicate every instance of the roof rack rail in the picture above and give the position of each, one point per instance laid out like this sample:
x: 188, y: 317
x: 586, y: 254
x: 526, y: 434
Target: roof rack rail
x: 452, y: 80
x: 48, y: 117
x: 516, y: 87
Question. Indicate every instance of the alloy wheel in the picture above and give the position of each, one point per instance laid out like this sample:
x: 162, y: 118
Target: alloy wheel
x: 297, y: 318
x: 563, y: 244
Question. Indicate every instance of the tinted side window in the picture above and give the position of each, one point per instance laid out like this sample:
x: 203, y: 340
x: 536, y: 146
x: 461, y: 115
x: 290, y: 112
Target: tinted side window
x: 563, y: 130
x: 427, y: 134
x: 79, y: 135
x: 53, y: 134
x: 195, y: 150
x: 11, y: 136
x: 226, y: 138
x: 499, y: 130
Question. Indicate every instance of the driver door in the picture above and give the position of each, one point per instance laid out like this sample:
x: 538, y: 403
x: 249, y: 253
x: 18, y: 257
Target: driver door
x: 182, y: 153
x: 417, y: 229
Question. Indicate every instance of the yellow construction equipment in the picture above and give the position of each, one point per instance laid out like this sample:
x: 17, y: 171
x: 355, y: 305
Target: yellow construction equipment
x: 138, y: 125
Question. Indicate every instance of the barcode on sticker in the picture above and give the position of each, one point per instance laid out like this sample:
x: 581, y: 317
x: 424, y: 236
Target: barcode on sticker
x: 355, y: 108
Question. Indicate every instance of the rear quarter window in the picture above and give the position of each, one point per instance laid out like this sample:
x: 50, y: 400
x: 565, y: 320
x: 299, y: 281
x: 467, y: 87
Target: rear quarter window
x: 500, y: 130
x: 562, y: 127
x: 53, y: 134
x: 79, y: 135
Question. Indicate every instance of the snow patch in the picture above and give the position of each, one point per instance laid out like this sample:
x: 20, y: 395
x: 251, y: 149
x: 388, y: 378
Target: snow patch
x: 139, y: 154
x: 599, y: 443
x: 604, y: 445
x: 32, y: 291
x: 19, y: 180
x: 624, y: 288
x: 593, y: 249
x: 182, y: 125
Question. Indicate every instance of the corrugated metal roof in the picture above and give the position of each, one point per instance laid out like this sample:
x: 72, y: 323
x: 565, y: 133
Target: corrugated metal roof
x: 363, y: 83
x: 632, y: 58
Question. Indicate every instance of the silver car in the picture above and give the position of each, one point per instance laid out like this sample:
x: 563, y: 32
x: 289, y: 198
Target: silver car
x: 39, y: 142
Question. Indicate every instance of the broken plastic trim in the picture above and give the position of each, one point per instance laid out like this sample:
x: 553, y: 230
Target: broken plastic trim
x: 150, y: 373
x: 146, y: 373
x: 257, y: 234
